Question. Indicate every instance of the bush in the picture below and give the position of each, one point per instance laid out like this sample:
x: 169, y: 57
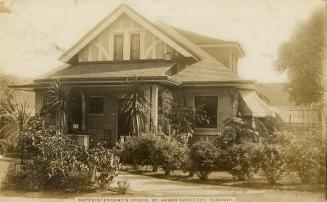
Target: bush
x: 238, y: 142
x: 170, y: 154
x: 122, y: 186
x: 271, y: 161
x: 58, y: 163
x: 153, y: 149
x: 305, y: 154
x: 138, y: 150
x: 203, y: 156
x: 241, y: 160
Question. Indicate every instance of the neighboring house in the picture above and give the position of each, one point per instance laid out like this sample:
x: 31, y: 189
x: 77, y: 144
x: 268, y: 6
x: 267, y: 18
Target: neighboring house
x: 289, y: 112
x: 200, y: 69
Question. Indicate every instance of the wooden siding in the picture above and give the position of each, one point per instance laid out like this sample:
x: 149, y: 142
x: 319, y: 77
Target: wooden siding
x: 221, y: 54
x: 102, y: 47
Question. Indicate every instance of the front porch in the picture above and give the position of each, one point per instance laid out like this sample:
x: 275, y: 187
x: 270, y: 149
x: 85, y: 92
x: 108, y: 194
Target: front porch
x: 95, y: 113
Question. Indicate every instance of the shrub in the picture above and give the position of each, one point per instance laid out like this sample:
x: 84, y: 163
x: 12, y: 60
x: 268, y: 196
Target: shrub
x: 170, y: 154
x: 203, y: 156
x: 153, y: 149
x: 58, y: 163
x: 240, y: 160
x: 122, y: 186
x: 271, y: 161
x: 305, y: 154
x: 238, y: 145
x: 137, y: 150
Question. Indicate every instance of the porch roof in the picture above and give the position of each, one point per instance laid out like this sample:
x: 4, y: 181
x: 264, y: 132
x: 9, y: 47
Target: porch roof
x: 98, y: 70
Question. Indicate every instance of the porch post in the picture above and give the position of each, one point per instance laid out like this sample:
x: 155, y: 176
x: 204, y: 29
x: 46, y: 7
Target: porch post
x: 152, y: 93
x: 83, y: 111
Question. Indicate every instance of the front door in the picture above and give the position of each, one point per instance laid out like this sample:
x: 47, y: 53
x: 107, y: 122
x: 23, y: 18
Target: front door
x: 123, y: 130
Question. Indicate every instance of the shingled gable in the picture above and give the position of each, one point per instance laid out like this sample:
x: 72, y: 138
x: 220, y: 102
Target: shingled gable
x: 99, y: 28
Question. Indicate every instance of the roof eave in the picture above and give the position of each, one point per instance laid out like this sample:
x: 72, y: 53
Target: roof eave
x: 44, y: 83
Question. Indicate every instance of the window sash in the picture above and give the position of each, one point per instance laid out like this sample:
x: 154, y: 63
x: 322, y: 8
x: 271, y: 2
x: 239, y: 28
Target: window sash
x: 118, y: 46
x: 135, y: 47
x: 96, y: 105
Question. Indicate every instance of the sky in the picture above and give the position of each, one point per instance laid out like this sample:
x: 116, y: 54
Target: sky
x: 37, y: 32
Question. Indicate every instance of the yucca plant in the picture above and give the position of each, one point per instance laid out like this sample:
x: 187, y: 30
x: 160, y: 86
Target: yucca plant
x: 136, y: 108
x: 15, y: 117
x: 58, y: 102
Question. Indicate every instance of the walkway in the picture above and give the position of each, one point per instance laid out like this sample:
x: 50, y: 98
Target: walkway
x: 149, y: 186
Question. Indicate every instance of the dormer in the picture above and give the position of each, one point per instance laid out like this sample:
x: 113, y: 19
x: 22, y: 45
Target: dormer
x: 228, y: 54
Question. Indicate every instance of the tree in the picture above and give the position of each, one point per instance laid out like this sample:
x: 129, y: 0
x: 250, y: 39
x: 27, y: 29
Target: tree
x: 302, y: 58
x: 136, y: 108
x: 16, y: 117
x: 58, y: 102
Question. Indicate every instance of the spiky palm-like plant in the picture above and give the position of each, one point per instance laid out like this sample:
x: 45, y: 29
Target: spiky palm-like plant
x: 136, y: 108
x: 58, y: 103
x: 15, y: 117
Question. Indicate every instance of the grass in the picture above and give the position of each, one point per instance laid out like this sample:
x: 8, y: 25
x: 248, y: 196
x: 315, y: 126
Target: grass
x: 289, y: 182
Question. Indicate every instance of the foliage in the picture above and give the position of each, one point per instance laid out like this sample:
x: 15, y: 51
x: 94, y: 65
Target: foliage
x: 135, y: 107
x: 136, y: 150
x: 305, y: 154
x: 183, y: 120
x: 302, y: 58
x: 180, y: 119
x: 153, y: 149
x: 6, y: 93
x: 271, y: 161
x: 122, y: 186
x: 15, y: 118
x: 165, y: 108
x: 235, y: 131
x: 59, y: 163
x: 170, y: 154
x: 237, y: 142
x: 203, y: 155
x: 58, y: 102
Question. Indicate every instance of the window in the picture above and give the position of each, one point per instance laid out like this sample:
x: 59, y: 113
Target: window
x: 96, y: 105
x: 210, y: 106
x: 135, y: 46
x: 118, y: 47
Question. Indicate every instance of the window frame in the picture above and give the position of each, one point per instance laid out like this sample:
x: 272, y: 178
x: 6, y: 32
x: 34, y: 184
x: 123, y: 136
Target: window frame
x: 114, y: 47
x: 130, y: 45
x: 217, y: 111
x: 89, y: 103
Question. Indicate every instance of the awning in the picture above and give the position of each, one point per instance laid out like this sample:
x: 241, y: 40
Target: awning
x: 254, y: 106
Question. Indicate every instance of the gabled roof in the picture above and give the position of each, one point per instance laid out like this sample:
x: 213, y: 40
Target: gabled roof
x: 209, y: 42
x: 123, y: 9
x: 204, y: 69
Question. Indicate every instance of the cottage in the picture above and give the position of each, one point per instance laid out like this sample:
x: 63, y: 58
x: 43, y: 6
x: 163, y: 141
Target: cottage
x: 199, y: 69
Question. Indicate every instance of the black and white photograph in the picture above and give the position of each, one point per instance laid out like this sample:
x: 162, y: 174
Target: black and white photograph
x: 163, y: 101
